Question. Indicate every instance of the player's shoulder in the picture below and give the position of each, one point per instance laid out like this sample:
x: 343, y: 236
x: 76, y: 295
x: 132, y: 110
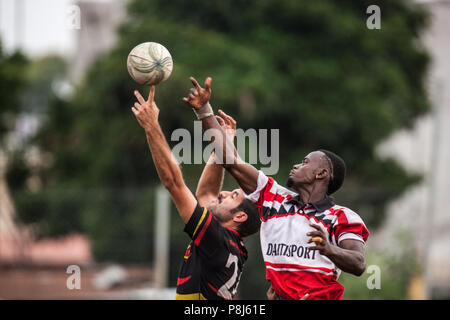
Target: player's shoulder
x: 344, y: 214
x: 276, y: 188
x: 238, y: 247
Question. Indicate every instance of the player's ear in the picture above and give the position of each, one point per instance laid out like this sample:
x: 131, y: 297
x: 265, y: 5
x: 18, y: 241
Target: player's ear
x: 321, y: 174
x: 240, y: 217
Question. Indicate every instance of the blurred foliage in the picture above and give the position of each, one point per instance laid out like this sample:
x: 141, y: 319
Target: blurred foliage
x: 396, y: 269
x: 13, y: 80
x: 310, y: 68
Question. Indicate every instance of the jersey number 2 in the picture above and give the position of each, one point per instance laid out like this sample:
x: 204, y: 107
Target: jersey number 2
x: 228, y: 290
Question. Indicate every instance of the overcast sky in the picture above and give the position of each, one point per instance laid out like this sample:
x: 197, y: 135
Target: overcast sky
x: 37, y: 26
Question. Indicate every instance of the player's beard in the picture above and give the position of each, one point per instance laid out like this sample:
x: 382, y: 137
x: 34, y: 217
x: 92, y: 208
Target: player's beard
x: 218, y: 214
x: 289, y: 182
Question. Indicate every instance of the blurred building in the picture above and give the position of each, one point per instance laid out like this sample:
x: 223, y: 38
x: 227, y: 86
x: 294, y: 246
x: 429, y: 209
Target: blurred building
x: 99, y: 21
x: 422, y: 212
x: 95, y: 282
x: 32, y: 268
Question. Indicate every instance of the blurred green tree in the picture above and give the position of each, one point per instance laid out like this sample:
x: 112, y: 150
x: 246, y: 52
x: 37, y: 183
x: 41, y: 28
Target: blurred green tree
x: 310, y: 68
x: 13, y: 81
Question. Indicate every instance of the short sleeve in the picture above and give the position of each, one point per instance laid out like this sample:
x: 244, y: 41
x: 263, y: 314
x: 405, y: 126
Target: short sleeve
x: 261, y: 184
x: 204, y: 230
x: 269, y: 197
x: 349, y: 225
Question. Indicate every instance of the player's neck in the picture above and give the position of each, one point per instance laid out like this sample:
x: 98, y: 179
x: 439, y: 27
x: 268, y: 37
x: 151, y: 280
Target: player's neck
x: 230, y: 224
x: 311, y: 193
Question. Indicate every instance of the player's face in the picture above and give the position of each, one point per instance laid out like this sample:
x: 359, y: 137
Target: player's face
x: 225, y: 203
x: 305, y: 172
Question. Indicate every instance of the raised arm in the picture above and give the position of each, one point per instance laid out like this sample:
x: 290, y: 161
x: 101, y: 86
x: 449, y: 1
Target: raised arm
x: 146, y: 112
x: 211, y: 180
x: 245, y: 174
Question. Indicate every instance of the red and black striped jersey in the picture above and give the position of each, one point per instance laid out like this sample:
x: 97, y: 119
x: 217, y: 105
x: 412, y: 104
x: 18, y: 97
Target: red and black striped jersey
x: 291, y: 267
x: 214, y: 259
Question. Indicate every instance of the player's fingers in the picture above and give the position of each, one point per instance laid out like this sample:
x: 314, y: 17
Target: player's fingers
x: 195, y: 83
x: 221, y: 121
x: 137, y: 106
x: 229, y: 119
x: 135, y: 111
x: 151, y: 94
x: 315, y: 226
x: 208, y: 84
x: 317, y: 240
x: 271, y: 295
x: 139, y: 97
x: 314, y: 234
x: 193, y: 91
x: 186, y: 100
x: 227, y: 115
x: 233, y: 122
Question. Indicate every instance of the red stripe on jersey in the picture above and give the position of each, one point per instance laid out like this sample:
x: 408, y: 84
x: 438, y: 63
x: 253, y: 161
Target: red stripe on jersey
x: 295, y: 284
x: 357, y: 228
x: 279, y: 216
x: 342, y: 218
x: 237, y: 247
x: 271, y: 197
x: 344, y: 227
x: 266, y: 192
x: 279, y: 198
x: 202, y: 232
x: 327, y: 227
x: 234, y: 231
x: 182, y: 280
x: 333, y: 212
x: 215, y: 290
x: 212, y: 287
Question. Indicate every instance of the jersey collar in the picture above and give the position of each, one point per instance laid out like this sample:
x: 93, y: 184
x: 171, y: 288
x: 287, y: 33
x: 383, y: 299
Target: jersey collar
x: 321, y: 205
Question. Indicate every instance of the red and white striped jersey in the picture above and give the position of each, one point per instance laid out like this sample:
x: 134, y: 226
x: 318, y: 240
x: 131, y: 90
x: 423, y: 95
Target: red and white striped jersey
x: 291, y: 267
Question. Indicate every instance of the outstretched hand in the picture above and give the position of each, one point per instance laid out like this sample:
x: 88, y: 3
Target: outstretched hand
x: 227, y: 123
x: 198, y: 96
x: 146, y: 111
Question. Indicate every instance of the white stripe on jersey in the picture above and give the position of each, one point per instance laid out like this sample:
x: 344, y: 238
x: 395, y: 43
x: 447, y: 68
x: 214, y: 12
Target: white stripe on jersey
x: 297, y: 269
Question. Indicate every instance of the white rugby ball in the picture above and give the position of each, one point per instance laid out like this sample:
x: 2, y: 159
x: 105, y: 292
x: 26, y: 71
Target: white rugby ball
x: 149, y: 63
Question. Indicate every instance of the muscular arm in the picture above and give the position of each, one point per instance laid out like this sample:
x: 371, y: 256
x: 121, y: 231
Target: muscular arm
x: 349, y: 256
x: 170, y: 174
x: 168, y: 170
x: 210, y: 182
x: 245, y: 174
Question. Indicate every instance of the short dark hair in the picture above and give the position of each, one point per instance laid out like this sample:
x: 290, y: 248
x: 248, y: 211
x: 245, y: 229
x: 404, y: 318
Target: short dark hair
x: 339, y: 170
x: 252, y: 224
